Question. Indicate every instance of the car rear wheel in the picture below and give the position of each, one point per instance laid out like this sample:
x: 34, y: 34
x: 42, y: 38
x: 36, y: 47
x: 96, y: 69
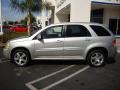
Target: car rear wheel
x: 21, y: 57
x: 96, y: 58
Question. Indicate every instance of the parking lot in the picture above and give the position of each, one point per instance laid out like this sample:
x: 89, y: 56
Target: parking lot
x: 59, y: 75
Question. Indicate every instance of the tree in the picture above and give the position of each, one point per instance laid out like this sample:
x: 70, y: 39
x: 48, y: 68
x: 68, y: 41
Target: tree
x: 32, y: 18
x: 23, y: 21
x: 29, y: 6
x: 10, y: 22
x: 5, y: 23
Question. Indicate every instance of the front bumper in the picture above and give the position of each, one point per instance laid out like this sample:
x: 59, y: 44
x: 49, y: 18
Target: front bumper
x: 6, y: 53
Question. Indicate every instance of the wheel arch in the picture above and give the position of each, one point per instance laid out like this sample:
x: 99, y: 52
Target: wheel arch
x: 23, y: 48
x: 97, y: 48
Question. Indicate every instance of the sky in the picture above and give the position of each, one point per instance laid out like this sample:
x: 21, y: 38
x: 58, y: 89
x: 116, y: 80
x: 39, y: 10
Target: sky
x: 10, y: 14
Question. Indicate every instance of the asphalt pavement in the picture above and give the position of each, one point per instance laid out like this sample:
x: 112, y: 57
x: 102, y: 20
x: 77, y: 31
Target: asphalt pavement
x: 59, y: 75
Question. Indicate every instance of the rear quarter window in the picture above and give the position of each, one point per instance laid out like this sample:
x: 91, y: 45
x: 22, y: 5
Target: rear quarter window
x: 100, y: 31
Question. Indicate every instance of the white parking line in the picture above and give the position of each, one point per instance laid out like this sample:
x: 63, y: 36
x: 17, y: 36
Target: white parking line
x: 31, y: 87
x: 66, y: 78
x: 4, y: 61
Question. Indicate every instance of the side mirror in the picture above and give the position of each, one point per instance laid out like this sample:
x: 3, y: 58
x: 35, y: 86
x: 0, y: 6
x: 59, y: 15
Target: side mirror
x: 39, y: 37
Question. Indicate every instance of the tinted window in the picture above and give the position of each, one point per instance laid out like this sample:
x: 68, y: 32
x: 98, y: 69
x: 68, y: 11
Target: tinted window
x: 100, y: 31
x: 53, y: 32
x: 77, y: 31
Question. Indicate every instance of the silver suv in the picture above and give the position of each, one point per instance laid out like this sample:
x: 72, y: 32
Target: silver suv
x: 67, y: 41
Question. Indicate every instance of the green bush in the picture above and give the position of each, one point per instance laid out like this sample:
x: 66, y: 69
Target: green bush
x: 10, y: 35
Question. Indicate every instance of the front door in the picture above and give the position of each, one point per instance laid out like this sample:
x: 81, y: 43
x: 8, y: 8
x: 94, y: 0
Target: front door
x: 52, y: 43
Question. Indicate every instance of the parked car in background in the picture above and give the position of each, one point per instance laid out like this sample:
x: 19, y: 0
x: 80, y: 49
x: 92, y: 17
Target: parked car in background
x: 91, y: 42
x: 18, y: 28
x: 6, y: 26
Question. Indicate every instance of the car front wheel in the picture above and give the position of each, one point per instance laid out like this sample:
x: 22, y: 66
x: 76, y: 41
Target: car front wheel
x: 21, y: 57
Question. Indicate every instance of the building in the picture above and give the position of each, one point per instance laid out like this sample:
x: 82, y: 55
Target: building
x: 42, y: 21
x: 106, y: 12
x: 47, y: 16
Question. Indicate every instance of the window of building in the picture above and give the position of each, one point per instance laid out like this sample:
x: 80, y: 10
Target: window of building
x: 97, y: 16
x: 114, y: 26
x: 46, y: 23
x: 100, y: 31
x: 77, y: 31
x: 118, y: 33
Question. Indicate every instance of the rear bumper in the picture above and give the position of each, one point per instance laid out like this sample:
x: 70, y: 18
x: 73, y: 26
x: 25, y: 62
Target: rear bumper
x: 112, y: 52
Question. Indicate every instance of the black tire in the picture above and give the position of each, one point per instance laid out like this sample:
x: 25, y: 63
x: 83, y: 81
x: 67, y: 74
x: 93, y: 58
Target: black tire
x: 96, y: 61
x: 22, y: 59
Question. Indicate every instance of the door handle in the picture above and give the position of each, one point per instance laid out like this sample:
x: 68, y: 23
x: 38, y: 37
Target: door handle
x: 58, y: 41
x: 87, y: 39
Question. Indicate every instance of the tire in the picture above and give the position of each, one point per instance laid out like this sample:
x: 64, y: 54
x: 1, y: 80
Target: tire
x: 21, y: 57
x: 96, y: 58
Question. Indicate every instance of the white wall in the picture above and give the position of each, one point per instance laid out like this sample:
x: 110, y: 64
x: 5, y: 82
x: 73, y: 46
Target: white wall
x: 65, y: 3
x: 62, y: 18
x: 1, y: 32
x: 42, y: 21
x: 80, y: 10
x: 59, y: 17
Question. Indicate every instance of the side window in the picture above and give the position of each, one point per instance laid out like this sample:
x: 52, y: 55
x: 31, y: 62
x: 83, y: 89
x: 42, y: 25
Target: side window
x: 77, y: 31
x: 100, y: 31
x: 53, y: 32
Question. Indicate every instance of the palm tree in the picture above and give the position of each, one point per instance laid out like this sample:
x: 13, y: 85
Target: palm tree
x: 29, y: 6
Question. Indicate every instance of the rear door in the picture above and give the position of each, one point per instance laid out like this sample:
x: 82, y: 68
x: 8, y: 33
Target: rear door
x: 77, y: 38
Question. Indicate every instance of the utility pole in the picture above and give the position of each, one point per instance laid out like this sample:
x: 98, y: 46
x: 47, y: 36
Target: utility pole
x: 1, y: 29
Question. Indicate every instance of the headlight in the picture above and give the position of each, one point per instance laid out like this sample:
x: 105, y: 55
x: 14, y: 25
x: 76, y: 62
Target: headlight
x: 7, y: 45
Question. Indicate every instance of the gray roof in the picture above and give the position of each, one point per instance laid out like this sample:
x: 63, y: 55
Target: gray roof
x: 69, y: 23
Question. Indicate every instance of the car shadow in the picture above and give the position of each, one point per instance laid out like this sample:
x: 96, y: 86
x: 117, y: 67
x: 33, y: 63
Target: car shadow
x: 111, y: 61
x: 57, y: 62
x: 65, y: 62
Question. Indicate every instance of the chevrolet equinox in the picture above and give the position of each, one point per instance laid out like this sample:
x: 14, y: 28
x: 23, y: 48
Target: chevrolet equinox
x: 66, y: 41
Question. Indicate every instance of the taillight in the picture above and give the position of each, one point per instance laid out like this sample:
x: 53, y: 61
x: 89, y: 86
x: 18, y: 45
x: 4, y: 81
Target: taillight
x: 114, y: 43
